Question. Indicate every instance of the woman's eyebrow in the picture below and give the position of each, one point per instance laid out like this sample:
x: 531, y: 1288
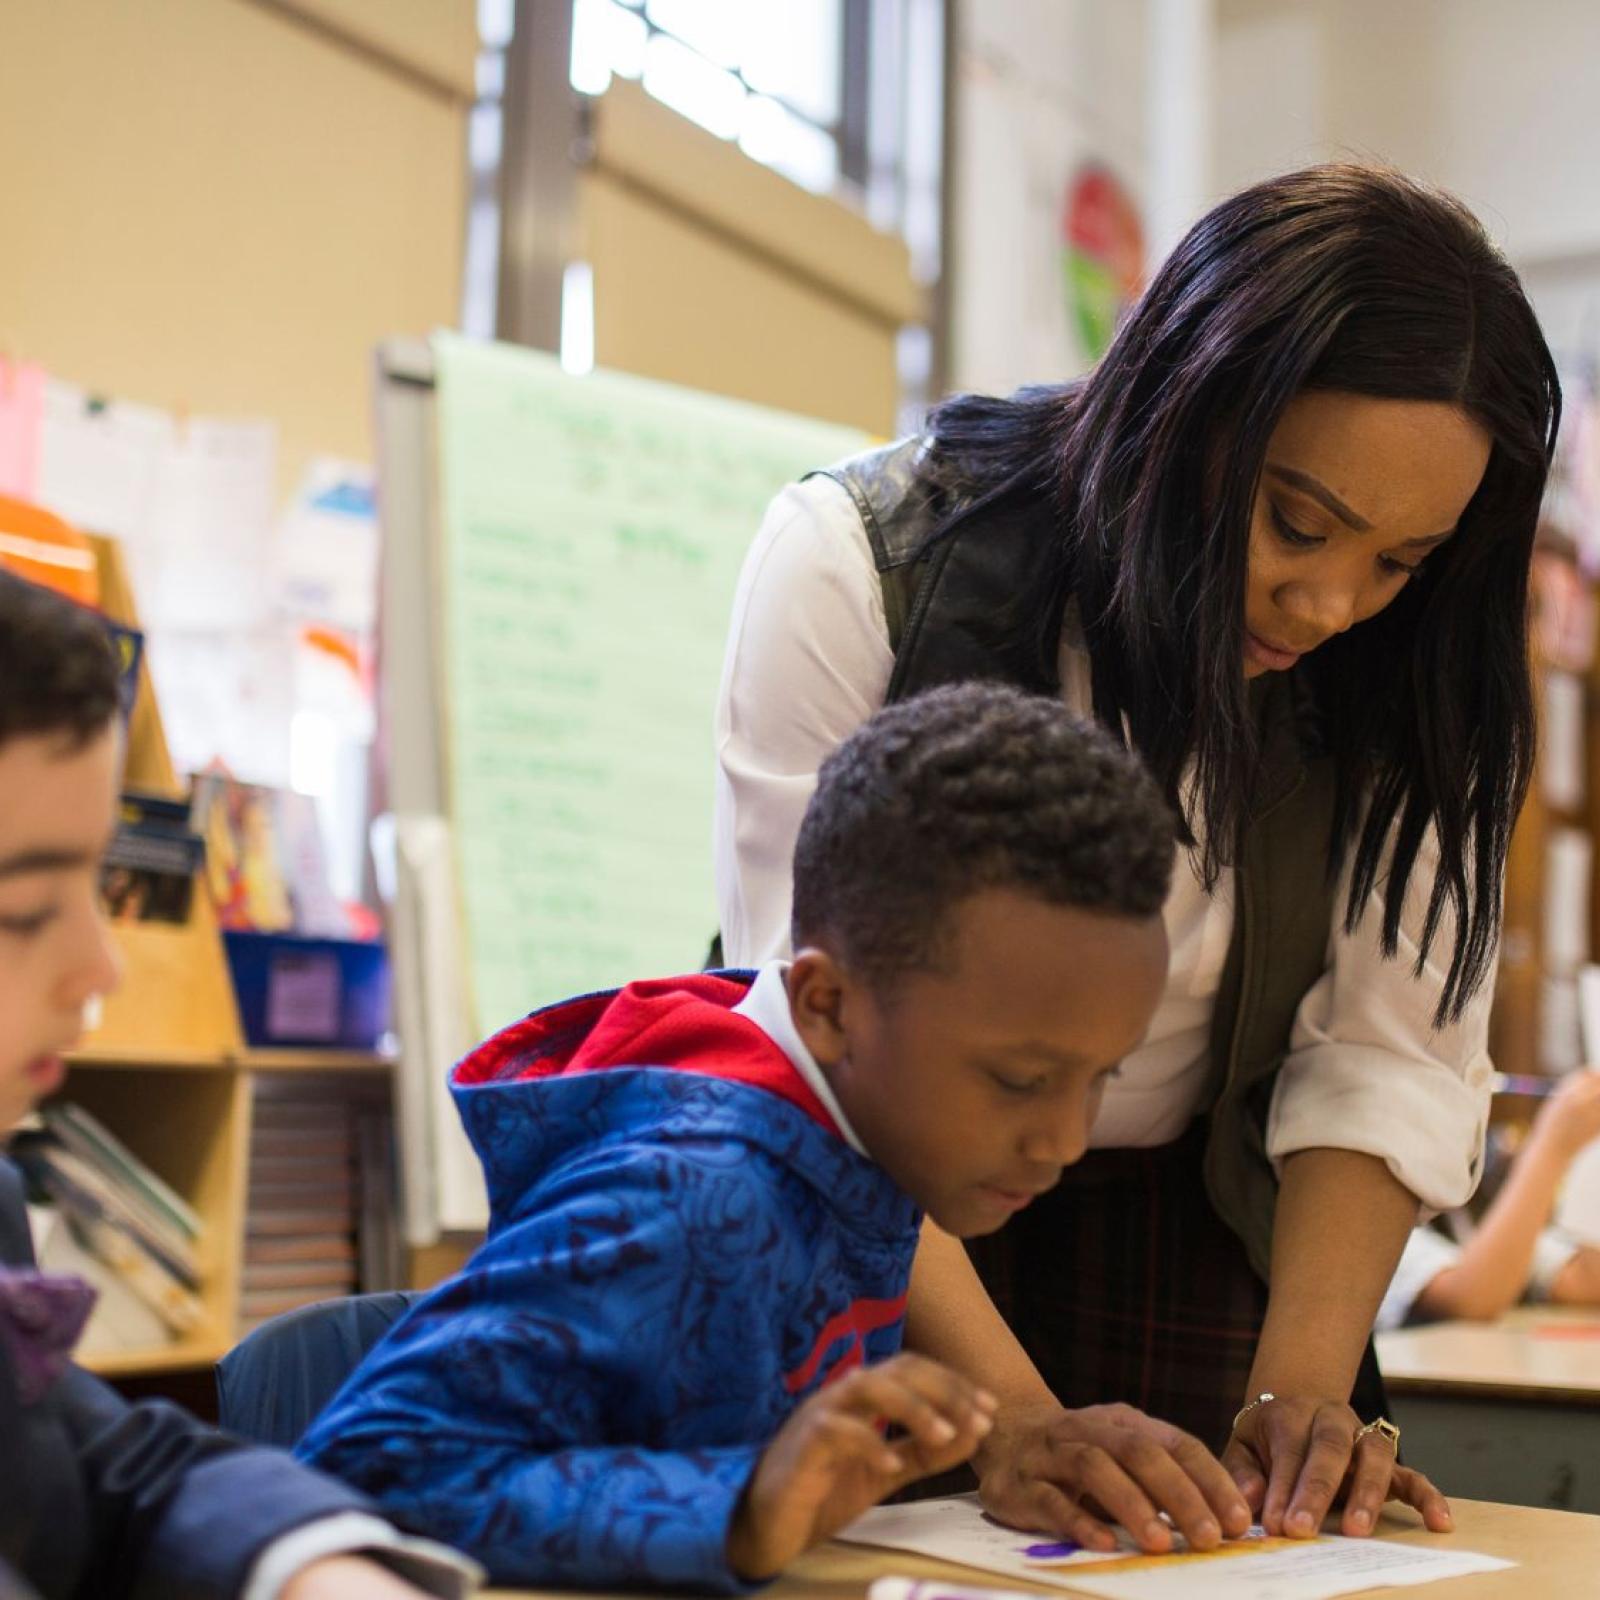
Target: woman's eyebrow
x: 1321, y: 492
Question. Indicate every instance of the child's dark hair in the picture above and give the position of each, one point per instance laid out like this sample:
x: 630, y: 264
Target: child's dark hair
x: 969, y: 787
x: 58, y: 667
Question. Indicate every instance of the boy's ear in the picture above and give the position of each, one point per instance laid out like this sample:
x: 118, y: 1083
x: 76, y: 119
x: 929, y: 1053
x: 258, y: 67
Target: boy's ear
x: 817, y: 985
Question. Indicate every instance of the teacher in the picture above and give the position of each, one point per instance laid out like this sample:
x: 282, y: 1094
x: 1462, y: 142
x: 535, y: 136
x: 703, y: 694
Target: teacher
x: 1280, y: 539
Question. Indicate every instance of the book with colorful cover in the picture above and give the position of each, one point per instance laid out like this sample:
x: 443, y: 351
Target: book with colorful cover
x: 82, y: 1191
x: 153, y: 861
x: 146, y: 1272
x: 79, y: 1130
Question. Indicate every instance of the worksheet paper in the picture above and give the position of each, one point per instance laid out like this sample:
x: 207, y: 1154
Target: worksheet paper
x: 1253, y: 1568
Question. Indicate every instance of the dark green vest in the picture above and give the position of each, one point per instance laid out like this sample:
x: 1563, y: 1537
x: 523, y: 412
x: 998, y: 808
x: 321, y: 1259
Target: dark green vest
x: 943, y: 610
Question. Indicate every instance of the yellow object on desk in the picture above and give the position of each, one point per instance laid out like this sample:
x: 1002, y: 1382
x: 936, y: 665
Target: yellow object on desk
x: 1557, y: 1553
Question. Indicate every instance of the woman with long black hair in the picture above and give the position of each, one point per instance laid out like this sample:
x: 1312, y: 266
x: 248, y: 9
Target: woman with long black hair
x: 1280, y: 539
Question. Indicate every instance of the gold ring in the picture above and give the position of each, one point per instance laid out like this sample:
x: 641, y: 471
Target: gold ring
x: 1384, y: 1426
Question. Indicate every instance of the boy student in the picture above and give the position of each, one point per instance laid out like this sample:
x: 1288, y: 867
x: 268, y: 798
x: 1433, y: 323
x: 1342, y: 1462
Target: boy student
x: 672, y: 1361
x: 99, y: 1498
x: 1512, y: 1253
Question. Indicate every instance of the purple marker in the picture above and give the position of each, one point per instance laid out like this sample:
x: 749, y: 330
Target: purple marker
x: 1051, y: 1552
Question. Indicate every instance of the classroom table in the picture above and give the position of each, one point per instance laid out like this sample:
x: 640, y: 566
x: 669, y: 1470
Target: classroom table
x: 1506, y: 1410
x: 1558, y: 1555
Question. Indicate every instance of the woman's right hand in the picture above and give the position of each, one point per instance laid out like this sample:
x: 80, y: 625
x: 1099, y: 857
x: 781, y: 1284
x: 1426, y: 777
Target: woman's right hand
x: 1075, y: 1473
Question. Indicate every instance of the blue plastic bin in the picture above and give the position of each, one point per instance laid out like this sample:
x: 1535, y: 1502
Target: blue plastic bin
x: 331, y: 993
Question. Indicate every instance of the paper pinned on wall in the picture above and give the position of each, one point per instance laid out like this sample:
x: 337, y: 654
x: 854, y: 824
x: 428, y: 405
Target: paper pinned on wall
x: 192, y: 502
x: 21, y: 417
x: 593, y: 533
x: 200, y: 559
x: 98, y: 460
x: 325, y: 553
x: 1256, y: 1567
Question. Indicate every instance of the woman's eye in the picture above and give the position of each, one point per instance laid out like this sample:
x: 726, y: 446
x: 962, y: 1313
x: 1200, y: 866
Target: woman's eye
x: 1292, y: 535
x: 29, y: 924
x: 1407, y: 570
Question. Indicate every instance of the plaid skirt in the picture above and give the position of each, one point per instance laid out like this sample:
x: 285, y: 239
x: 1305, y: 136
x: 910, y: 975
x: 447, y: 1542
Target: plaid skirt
x: 1123, y: 1284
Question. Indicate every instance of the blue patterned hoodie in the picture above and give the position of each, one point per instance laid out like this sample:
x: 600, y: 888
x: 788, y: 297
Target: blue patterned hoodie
x: 681, y: 1249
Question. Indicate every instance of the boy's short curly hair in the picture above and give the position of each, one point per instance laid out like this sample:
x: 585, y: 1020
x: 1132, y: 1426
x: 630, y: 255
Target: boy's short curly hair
x: 969, y: 787
x: 58, y: 666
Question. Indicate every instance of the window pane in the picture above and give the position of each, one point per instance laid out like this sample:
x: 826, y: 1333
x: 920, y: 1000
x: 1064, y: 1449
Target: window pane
x: 790, y: 48
x: 713, y: 27
x: 690, y: 84
x: 798, y: 149
x: 495, y: 21
x: 491, y: 75
x: 606, y: 38
x: 484, y: 128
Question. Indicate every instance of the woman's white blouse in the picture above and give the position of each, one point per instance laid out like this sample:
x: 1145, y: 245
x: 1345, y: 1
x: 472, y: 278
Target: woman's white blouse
x: 808, y: 661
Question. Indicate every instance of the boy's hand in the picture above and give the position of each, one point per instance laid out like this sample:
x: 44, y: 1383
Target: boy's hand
x: 1074, y: 1473
x: 1570, y: 1118
x: 830, y: 1461
x: 347, y: 1578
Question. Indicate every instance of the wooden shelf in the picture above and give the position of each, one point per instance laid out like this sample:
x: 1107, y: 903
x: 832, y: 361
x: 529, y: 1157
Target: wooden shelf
x: 168, y: 1070
x: 183, y: 1355
x: 314, y: 1060
x: 246, y: 1060
x: 132, y: 1060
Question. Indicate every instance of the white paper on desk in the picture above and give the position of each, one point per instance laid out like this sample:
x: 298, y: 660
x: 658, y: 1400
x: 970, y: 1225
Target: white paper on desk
x: 954, y: 1528
x: 1253, y: 1568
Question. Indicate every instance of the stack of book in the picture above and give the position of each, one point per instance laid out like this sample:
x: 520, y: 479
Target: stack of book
x: 320, y: 1219
x: 110, y: 1219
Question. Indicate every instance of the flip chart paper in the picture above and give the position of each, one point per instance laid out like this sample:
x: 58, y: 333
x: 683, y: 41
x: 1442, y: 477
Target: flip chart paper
x: 593, y: 532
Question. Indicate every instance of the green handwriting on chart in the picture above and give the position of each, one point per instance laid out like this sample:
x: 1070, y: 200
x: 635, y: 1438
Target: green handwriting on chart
x: 662, y: 542
x: 593, y: 533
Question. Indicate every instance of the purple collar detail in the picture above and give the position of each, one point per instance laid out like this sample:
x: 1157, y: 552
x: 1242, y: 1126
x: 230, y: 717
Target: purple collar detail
x: 41, y: 1319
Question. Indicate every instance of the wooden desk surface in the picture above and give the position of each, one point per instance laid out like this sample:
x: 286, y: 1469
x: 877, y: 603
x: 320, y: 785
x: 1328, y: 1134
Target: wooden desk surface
x: 1558, y: 1555
x: 1532, y: 1353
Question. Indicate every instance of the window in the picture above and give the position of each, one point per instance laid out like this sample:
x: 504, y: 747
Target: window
x: 768, y: 74
x: 844, y: 97
x: 485, y: 135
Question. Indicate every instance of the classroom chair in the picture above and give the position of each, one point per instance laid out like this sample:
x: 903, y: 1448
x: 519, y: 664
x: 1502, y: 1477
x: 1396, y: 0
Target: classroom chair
x: 272, y: 1384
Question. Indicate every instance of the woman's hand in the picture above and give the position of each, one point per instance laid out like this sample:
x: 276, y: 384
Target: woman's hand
x: 1294, y: 1458
x: 1074, y: 1473
x: 831, y: 1460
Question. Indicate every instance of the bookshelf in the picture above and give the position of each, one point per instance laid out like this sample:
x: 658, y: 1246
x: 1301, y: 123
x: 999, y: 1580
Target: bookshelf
x: 1552, y: 899
x: 168, y: 1070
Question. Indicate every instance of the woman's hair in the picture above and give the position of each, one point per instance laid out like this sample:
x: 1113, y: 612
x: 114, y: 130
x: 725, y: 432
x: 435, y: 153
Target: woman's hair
x: 1345, y: 278
x: 58, y: 668
x: 968, y: 787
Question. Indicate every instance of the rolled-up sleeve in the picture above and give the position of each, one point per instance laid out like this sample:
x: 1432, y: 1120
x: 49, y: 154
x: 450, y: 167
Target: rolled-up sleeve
x: 808, y: 661
x: 1367, y: 1070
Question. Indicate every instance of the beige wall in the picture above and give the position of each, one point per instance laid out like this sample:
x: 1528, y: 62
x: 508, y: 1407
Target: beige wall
x: 221, y: 206
x: 713, y: 271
